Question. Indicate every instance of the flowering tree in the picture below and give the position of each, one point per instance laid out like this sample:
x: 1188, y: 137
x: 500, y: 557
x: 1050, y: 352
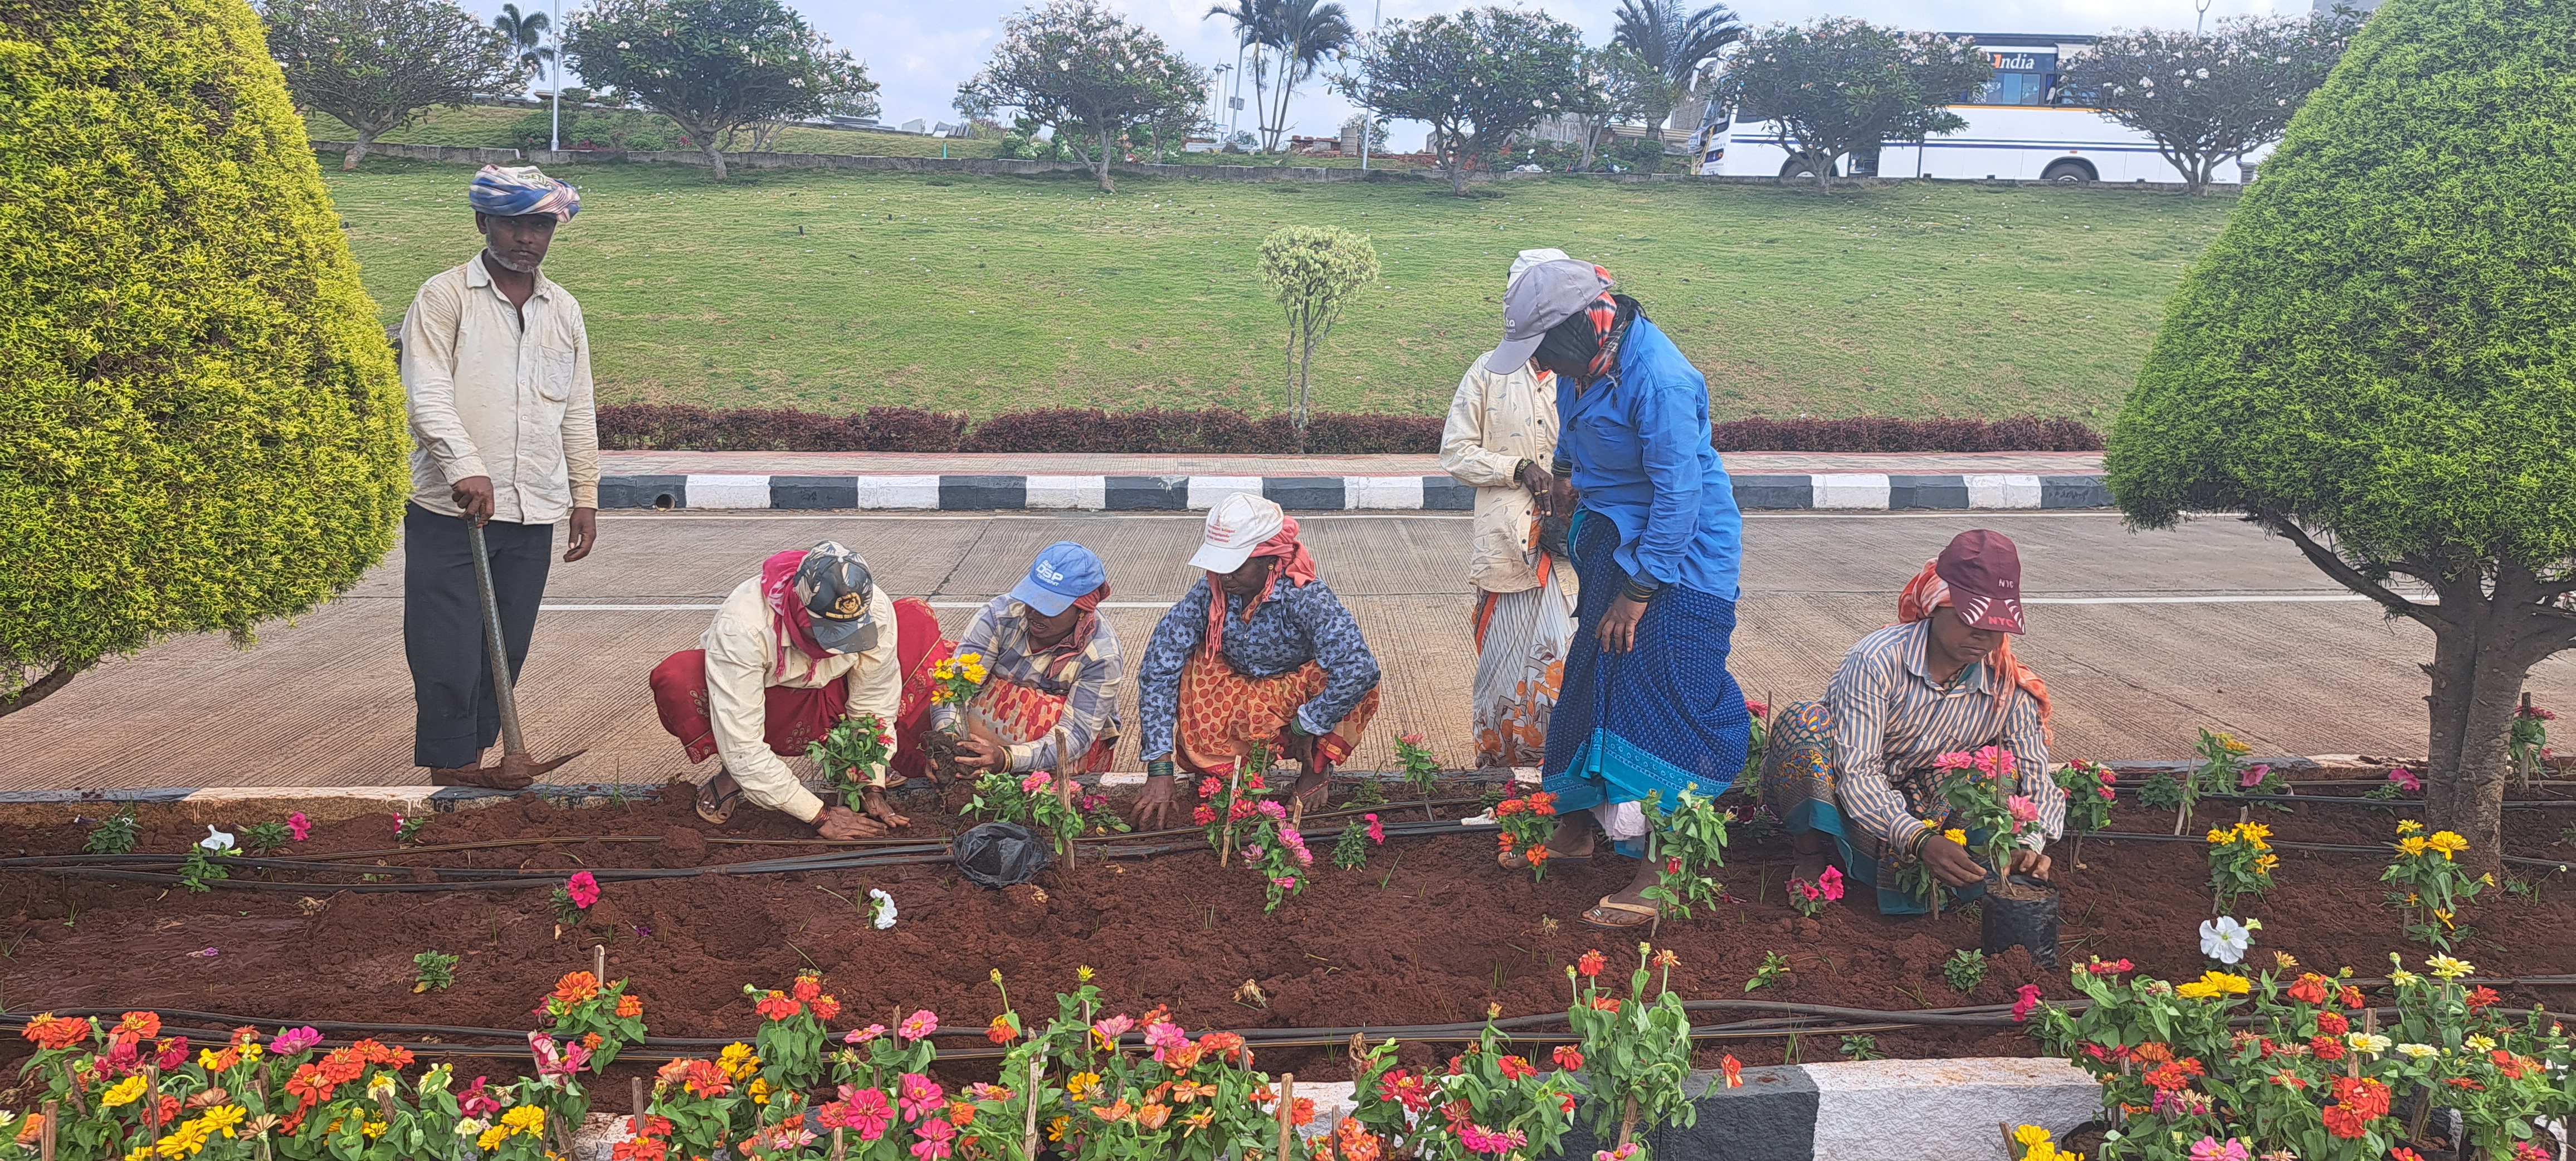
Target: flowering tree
x: 1617, y: 86
x: 376, y: 64
x: 1478, y: 77
x: 1313, y: 271
x: 714, y: 65
x: 2371, y: 363
x: 1085, y: 72
x: 2207, y: 97
x: 1836, y: 85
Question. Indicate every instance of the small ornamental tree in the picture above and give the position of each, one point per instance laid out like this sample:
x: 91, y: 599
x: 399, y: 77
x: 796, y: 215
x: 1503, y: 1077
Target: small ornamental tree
x: 1479, y: 77
x: 1313, y: 271
x: 376, y: 64
x: 203, y: 425
x: 713, y: 66
x: 2377, y: 362
x: 2208, y: 97
x: 1837, y: 85
x: 1094, y: 78
x: 1616, y: 87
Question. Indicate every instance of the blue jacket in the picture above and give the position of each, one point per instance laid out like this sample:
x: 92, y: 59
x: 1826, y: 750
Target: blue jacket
x: 1639, y: 444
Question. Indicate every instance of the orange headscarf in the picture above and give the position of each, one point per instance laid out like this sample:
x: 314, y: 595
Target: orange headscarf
x: 1926, y: 592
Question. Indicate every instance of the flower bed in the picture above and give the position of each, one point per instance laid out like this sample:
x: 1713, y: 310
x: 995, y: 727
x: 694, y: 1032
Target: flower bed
x: 1428, y: 930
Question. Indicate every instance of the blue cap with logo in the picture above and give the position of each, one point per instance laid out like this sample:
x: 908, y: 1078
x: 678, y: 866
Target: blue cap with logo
x: 1063, y: 573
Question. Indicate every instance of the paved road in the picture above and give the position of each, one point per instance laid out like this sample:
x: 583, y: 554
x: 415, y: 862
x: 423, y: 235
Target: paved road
x: 2143, y: 638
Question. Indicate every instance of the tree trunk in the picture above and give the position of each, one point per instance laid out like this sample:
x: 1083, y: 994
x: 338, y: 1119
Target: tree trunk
x: 38, y: 690
x: 715, y: 154
x: 1824, y: 171
x: 1100, y: 168
x: 2477, y: 681
x: 357, y: 148
x: 1453, y: 155
x: 1591, y: 148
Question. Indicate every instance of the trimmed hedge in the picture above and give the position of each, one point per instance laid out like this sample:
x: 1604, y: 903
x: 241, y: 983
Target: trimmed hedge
x: 204, y: 428
x: 1163, y: 431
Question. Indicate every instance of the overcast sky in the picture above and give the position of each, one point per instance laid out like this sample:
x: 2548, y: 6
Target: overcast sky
x: 920, y: 49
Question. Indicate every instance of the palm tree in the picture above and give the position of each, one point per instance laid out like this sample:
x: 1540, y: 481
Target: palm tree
x: 526, y: 35
x: 1304, y: 33
x: 1674, y: 41
x: 1254, y: 21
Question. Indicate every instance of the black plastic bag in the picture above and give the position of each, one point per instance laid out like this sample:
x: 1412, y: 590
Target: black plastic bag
x: 2032, y: 923
x: 1000, y: 854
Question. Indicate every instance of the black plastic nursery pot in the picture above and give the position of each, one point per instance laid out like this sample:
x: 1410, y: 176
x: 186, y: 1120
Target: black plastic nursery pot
x: 2030, y: 923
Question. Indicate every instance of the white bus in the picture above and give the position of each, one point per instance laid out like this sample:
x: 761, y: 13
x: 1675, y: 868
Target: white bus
x: 2021, y: 126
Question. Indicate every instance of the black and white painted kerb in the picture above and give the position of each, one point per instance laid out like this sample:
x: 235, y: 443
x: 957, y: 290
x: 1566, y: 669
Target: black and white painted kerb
x: 1854, y: 491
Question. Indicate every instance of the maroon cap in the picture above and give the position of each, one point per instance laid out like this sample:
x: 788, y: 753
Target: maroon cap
x: 1983, y: 570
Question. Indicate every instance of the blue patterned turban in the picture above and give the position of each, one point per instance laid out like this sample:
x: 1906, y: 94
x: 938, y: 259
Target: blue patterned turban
x: 520, y: 190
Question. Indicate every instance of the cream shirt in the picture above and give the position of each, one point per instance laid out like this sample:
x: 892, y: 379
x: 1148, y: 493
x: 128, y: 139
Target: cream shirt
x: 1495, y: 422
x: 743, y: 649
x: 490, y: 396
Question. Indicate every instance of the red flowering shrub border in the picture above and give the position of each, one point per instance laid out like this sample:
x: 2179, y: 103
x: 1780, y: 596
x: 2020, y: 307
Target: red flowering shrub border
x: 1216, y: 430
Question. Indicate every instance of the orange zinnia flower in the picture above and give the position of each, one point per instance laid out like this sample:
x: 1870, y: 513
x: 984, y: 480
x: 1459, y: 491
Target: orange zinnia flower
x: 808, y: 987
x: 576, y: 987
x: 777, y: 1006
x: 630, y: 1007
x: 54, y: 1033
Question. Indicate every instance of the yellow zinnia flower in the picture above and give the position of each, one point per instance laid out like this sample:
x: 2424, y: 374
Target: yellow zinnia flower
x: 2030, y: 1135
x: 373, y: 1129
x: 125, y: 1092
x: 491, y: 1138
x: 2220, y: 838
x: 2408, y: 826
x: 737, y: 1060
x: 2447, y: 842
x: 526, y: 1119
x: 224, y: 1118
x: 2254, y: 832
x: 2480, y: 1043
x: 1956, y: 835
x: 2411, y: 845
x: 2444, y: 967
x: 2265, y: 863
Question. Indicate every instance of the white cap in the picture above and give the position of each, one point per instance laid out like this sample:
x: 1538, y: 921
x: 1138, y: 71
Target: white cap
x: 1531, y: 258
x: 1238, y: 524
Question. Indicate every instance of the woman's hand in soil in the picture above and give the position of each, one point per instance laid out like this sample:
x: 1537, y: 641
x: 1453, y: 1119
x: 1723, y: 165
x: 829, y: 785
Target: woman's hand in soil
x: 1619, y: 625
x: 881, y: 810
x: 841, y: 824
x: 2031, y: 863
x: 1157, y: 805
x: 974, y: 753
x: 1951, y: 863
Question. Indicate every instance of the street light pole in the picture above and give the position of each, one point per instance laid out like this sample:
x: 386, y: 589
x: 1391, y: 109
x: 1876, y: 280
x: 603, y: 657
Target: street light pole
x: 1368, y: 124
x: 554, y: 134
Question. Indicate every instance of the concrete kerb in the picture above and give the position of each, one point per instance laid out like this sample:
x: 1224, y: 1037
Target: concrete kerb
x: 1923, y: 1110
x: 1843, y: 491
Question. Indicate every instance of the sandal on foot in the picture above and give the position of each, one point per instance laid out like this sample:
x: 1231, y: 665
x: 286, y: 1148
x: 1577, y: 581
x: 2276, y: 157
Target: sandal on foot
x: 717, y: 808
x: 1599, y: 915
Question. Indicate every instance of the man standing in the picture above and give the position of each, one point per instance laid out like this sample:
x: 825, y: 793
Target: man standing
x: 497, y: 368
x: 1500, y: 437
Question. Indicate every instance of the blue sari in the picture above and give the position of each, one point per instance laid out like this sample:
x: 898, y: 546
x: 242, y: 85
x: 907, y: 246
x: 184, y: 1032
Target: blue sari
x: 1663, y: 717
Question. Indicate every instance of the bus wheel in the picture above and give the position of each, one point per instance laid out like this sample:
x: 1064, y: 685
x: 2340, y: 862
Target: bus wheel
x: 2069, y: 172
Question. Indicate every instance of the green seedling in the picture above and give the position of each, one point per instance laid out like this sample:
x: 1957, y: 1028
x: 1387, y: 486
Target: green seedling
x: 1862, y: 1047
x: 1965, y: 970
x: 1774, y: 966
x: 116, y: 834
x: 263, y: 837
x: 432, y: 970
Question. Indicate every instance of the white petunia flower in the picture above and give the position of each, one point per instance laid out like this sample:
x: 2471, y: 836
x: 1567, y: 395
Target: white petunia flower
x: 884, y: 908
x: 2225, y: 940
x: 216, y: 840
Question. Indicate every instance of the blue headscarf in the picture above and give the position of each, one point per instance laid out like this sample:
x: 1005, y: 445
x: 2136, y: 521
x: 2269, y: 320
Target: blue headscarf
x: 521, y: 190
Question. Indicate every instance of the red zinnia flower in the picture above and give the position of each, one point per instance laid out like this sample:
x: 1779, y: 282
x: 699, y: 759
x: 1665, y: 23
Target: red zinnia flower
x: 1515, y: 1068
x: 1569, y: 1058
x: 2483, y: 997
x: 2332, y: 1024
x: 2311, y: 989
x: 2327, y: 1048
x: 776, y: 1006
x: 1591, y: 963
x: 807, y: 987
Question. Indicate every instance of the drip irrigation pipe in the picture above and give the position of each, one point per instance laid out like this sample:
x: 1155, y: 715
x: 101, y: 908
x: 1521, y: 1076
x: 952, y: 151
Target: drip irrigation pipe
x: 2325, y: 848
x: 2361, y: 800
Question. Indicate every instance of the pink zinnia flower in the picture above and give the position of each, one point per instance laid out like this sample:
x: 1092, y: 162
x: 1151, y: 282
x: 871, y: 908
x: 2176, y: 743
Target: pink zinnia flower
x: 1954, y: 760
x: 2405, y: 779
x: 583, y: 888
x: 2253, y: 777
x: 933, y: 1145
x: 1162, y: 1036
x: 863, y: 1035
x: 291, y: 1041
x: 1479, y: 1139
x: 1271, y: 809
x: 1995, y: 761
x: 1409, y: 739
x: 1285, y: 882
x: 863, y: 1109
x: 299, y: 826
x: 2022, y: 808
x: 1111, y: 1029
x: 919, y: 1095
x: 2027, y: 1001
x: 1376, y: 830
x: 919, y: 1024
x: 475, y: 1101
x: 1036, y: 782
x: 1757, y: 709
x: 1832, y: 882
x: 2208, y: 1149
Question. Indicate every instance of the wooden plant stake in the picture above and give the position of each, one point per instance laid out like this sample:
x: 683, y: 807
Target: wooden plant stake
x: 599, y: 964
x: 1287, y: 1111
x: 1628, y: 1121
x: 1029, y: 1141
x: 2009, y: 1155
x: 840, y: 1148
x: 53, y: 1119
x: 635, y: 1093
x: 1233, y: 792
x: 1064, y: 800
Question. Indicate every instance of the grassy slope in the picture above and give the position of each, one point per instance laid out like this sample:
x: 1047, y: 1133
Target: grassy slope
x: 985, y: 294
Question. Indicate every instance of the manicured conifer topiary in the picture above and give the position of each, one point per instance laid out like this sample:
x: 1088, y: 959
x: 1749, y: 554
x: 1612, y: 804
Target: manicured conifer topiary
x: 2377, y: 361
x: 201, y: 426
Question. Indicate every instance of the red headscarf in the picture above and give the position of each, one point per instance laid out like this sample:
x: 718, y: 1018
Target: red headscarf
x: 1293, y: 561
x: 787, y: 614
x: 1926, y: 592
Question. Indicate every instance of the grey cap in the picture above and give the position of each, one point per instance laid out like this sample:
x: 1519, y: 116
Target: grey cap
x: 1543, y: 296
x: 834, y: 584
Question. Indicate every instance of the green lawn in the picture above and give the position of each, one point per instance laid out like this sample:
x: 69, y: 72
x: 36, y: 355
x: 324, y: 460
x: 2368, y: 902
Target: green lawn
x: 489, y: 126
x: 985, y: 294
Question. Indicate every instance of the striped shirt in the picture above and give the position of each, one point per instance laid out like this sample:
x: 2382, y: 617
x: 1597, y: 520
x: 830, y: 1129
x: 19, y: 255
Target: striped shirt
x: 1892, y: 718
x: 1088, y: 683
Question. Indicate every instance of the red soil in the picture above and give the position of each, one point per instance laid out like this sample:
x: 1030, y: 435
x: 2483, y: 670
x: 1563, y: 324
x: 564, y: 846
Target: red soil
x: 1431, y: 932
